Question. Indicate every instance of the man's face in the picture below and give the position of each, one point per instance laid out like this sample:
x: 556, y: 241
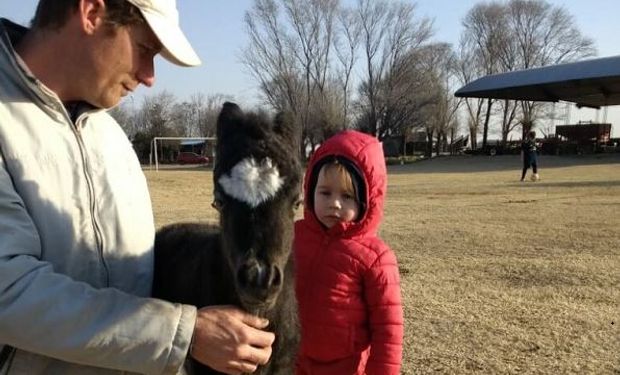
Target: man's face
x: 122, y: 59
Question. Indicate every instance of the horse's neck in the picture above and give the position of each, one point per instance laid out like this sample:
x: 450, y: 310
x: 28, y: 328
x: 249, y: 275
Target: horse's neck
x: 216, y: 277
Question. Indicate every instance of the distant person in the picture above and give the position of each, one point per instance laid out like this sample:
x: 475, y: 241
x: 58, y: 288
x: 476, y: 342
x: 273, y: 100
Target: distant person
x: 76, y: 224
x: 528, y: 156
x: 348, y: 283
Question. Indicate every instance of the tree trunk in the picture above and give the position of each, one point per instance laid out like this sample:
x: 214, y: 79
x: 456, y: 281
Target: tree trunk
x: 485, y: 133
x: 429, y: 143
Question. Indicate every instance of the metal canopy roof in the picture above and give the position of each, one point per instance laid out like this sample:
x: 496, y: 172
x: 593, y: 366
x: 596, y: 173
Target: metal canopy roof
x: 589, y: 83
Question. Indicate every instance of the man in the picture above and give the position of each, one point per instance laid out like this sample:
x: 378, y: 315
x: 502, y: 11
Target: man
x: 528, y: 156
x: 76, y: 226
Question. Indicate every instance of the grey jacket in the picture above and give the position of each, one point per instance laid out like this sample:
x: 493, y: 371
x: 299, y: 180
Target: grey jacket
x: 76, y: 237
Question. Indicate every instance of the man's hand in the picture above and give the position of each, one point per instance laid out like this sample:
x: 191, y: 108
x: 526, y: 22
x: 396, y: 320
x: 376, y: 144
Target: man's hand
x: 231, y: 341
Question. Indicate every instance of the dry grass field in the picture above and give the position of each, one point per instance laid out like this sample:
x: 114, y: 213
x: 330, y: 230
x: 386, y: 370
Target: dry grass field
x: 498, y: 276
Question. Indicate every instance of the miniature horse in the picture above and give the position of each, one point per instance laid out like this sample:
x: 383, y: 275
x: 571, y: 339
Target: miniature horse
x: 245, y: 261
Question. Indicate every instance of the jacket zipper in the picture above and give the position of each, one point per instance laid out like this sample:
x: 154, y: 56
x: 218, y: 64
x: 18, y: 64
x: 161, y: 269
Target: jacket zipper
x: 91, y: 197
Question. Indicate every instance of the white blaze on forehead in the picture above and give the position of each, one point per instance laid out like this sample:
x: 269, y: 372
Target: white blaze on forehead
x: 251, y: 182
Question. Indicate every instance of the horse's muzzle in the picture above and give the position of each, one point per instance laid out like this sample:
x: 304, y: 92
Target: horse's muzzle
x: 259, y: 280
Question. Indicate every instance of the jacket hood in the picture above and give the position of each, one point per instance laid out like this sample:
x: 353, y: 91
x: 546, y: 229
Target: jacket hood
x: 364, y: 153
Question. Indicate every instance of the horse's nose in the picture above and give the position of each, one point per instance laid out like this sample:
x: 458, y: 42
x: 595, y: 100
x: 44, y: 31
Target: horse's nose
x: 258, y: 275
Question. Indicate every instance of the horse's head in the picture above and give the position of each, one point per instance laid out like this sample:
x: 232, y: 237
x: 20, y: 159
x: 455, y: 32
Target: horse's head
x: 257, y: 179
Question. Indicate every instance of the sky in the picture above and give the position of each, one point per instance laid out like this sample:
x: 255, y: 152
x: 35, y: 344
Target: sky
x: 216, y: 30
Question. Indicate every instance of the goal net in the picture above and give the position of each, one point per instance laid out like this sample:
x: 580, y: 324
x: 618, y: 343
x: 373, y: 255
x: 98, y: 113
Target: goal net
x: 166, y: 149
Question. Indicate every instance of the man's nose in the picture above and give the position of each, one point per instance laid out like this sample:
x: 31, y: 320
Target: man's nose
x: 146, y: 73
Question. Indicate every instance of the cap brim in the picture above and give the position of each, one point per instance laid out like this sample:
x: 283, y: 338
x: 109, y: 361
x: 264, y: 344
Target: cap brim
x: 176, y: 47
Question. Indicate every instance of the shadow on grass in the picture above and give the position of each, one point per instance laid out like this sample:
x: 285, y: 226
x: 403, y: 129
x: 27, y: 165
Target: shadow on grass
x: 475, y: 164
x: 568, y: 184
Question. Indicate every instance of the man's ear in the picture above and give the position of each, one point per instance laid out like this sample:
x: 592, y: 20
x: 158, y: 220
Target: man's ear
x: 91, y: 14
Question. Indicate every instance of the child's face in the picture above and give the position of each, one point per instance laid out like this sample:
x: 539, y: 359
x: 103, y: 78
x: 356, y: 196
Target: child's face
x: 333, y: 201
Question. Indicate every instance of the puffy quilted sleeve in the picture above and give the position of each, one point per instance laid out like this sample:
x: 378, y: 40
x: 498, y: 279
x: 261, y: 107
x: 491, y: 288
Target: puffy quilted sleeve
x: 382, y: 292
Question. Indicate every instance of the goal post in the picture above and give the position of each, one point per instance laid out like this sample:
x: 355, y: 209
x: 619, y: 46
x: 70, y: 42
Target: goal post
x: 153, y: 155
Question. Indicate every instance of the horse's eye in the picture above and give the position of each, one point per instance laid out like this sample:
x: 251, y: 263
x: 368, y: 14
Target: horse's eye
x: 218, y: 200
x: 217, y: 204
x: 298, y: 202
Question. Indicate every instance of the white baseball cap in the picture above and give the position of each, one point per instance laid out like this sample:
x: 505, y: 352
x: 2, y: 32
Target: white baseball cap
x: 163, y: 18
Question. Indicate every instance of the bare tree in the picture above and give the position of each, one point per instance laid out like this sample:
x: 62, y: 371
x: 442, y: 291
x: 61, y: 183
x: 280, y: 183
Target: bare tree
x: 520, y: 34
x: 303, y: 54
x: 443, y: 65
x: 313, y: 24
x: 182, y: 115
x: 466, y: 71
x: 389, y: 33
x: 269, y: 57
x: 483, y: 39
x: 291, y: 42
x: 346, y: 43
x: 125, y: 116
x: 156, y: 116
x: 509, y: 111
x: 208, y: 111
x: 374, y: 20
x: 194, y: 111
x: 417, y: 94
x: 544, y: 35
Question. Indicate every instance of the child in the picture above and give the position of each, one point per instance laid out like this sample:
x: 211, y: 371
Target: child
x: 528, y: 155
x: 347, y: 278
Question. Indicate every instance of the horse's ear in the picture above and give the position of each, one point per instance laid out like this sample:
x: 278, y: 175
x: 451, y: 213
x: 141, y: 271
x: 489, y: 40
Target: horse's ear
x: 285, y: 125
x: 230, y: 114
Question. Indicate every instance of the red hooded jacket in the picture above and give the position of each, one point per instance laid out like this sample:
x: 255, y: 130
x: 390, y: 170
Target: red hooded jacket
x: 347, y: 279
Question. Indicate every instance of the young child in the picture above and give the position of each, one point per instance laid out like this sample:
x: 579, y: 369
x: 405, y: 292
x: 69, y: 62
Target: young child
x: 347, y: 279
x: 528, y: 155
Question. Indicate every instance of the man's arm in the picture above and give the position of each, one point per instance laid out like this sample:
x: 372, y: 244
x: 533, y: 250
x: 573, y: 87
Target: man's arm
x: 47, y: 312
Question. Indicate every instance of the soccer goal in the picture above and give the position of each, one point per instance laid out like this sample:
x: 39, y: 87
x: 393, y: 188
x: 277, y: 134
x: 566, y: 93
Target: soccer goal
x: 158, y: 142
